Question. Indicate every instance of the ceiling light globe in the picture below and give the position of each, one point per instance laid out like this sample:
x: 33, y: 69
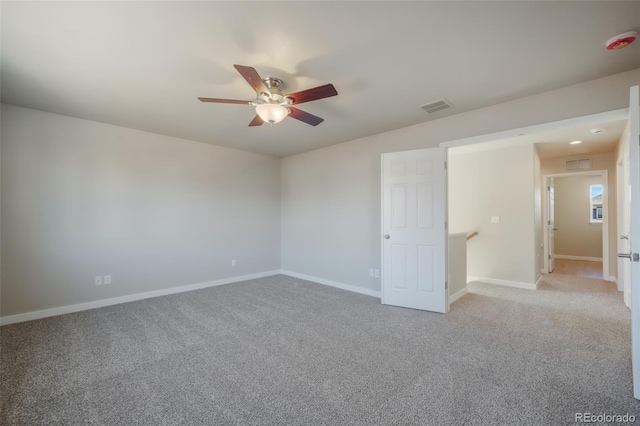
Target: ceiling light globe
x: 272, y: 113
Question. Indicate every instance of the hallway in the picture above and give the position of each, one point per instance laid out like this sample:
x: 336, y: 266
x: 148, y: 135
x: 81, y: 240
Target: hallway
x: 579, y: 268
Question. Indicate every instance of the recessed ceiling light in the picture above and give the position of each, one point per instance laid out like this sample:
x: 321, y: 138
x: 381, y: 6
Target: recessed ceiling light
x: 596, y: 131
x: 575, y: 142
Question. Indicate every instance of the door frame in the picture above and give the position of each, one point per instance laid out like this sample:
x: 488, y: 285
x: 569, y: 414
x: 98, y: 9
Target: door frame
x: 569, y: 123
x: 634, y: 180
x: 604, y: 174
x: 592, y: 119
x: 624, y: 222
x: 546, y: 237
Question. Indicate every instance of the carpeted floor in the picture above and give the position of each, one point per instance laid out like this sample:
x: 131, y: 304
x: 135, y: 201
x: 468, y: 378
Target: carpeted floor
x: 282, y: 351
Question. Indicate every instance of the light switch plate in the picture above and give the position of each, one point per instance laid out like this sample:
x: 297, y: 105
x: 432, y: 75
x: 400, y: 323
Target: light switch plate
x: 495, y: 219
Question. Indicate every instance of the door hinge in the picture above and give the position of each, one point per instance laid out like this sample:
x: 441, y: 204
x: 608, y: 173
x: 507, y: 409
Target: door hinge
x: 636, y: 257
x: 445, y: 164
x: 446, y: 285
x: 548, y: 222
x: 549, y: 257
x: 445, y: 224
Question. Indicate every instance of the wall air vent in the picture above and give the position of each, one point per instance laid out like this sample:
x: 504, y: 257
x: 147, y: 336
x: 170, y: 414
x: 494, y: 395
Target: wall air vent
x: 438, y: 105
x: 580, y: 164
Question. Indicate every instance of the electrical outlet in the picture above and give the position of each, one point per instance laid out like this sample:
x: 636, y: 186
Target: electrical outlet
x: 107, y: 279
x: 377, y: 273
x: 98, y: 280
x: 370, y: 272
x: 495, y: 219
x: 233, y: 262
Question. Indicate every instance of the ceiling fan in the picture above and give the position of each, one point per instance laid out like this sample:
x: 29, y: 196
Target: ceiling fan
x: 272, y: 105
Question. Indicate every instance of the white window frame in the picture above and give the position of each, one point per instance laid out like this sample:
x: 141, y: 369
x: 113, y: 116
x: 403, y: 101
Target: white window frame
x: 593, y: 206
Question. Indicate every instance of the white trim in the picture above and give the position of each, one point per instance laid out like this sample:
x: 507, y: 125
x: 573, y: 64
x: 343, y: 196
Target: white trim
x: 457, y: 295
x: 604, y: 173
x: 615, y: 115
x: 335, y: 284
x: 382, y: 271
x: 505, y: 283
x: 570, y: 257
x: 544, y: 222
x: 61, y: 310
x: 612, y: 279
x: 538, y: 281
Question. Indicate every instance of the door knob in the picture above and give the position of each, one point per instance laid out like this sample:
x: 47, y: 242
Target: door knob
x: 624, y: 237
x: 387, y: 236
x: 634, y: 257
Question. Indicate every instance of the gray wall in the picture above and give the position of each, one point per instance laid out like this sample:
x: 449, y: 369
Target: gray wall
x: 331, y: 196
x: 81, y: 198
x: 575, y: 235
x: 496, y: 182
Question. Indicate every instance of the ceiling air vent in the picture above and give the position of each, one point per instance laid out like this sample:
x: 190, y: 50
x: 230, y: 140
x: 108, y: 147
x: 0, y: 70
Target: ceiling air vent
x: 581, y: 164
x: 438, y: 105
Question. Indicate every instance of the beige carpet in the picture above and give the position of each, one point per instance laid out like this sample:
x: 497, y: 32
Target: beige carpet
x: 282, y: 351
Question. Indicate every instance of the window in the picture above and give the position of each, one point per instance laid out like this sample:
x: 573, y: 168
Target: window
x: 595, y: 197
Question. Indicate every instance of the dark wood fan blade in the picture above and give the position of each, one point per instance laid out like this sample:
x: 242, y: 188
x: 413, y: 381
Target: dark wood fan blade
x: 224, y: 101
x: 305, y: 116
x: 257, y: 121
x: 253, y: 78
x: 314, y: 94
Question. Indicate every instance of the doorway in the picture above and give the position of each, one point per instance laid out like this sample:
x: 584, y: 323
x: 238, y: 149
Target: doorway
x: 519, y: 135
x: 576, y: 224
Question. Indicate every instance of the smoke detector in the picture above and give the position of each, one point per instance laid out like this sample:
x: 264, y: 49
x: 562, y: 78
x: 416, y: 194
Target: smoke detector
x: 621, y: 40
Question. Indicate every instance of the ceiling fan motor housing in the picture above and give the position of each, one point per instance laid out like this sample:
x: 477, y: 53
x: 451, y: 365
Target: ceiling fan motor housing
x: 276, y: 96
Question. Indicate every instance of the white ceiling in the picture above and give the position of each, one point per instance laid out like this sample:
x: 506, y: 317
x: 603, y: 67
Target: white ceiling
x: 143, y: 64
x: 556, y: 143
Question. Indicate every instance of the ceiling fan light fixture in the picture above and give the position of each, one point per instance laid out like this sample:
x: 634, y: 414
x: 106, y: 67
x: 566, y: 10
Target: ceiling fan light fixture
x: 271, y: 113
x: 272, y: 106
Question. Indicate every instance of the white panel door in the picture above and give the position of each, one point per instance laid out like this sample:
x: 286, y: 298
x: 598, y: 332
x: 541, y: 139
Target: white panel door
x: 413, y: 230
x: 551, y: 225
x: 634, y: 236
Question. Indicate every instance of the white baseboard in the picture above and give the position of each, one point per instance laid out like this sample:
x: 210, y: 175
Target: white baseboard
x: 538, y: 281
x: 335, y: 284
x: 612, y: 279
x: 28, y: 316
x: 505, y: 283
x: 569, y: 257
x: 457, y: 295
